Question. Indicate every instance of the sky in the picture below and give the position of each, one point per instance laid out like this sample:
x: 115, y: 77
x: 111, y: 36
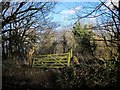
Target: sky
x: 56, y: 0
x: 65, y: 13
x: 60, y: 0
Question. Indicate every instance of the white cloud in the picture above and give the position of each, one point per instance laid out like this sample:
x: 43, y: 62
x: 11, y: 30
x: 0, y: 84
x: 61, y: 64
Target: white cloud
x: 93, y: 20
x: 68, y: 11
x: 112, y: 0
x: 108, y: 3
x: 77, y: 8
x: 71, y: 11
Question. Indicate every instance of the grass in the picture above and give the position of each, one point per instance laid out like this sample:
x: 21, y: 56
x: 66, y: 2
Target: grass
x: 23, y: 77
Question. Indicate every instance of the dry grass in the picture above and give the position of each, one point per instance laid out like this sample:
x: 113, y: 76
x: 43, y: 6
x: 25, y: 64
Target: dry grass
x: 19, y: 77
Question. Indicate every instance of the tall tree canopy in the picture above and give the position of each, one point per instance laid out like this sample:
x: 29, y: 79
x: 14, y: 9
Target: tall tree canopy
x: 106, y: 14
x: 19, y: 20
x: 83, y: 38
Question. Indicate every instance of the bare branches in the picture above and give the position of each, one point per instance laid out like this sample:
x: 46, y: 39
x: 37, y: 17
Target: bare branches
x: 89, y: 14
x: 23, y: 10
x: 17, y: 20
x: 111, y: 10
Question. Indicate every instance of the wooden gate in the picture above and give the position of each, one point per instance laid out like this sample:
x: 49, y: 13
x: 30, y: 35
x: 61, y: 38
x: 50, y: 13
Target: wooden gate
x: 52, y: 60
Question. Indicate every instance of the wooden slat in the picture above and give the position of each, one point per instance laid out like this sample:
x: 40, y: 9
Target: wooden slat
x: 55, y: 67
x: 54, y: 61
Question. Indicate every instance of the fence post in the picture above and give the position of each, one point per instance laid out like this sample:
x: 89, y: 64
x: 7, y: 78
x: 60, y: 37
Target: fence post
x: 70, y: 53
x: 30, y: 62
x: 69, y: 57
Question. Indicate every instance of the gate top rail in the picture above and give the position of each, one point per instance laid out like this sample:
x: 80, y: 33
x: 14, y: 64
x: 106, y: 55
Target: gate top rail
x: 63, y: 54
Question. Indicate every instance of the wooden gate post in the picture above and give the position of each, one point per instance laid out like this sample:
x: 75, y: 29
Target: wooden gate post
x: 71, y: 53
x: 69, y: 57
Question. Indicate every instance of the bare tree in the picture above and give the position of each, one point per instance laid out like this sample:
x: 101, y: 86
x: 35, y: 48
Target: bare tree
x: 17, y: 20
x: 107, y: 16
